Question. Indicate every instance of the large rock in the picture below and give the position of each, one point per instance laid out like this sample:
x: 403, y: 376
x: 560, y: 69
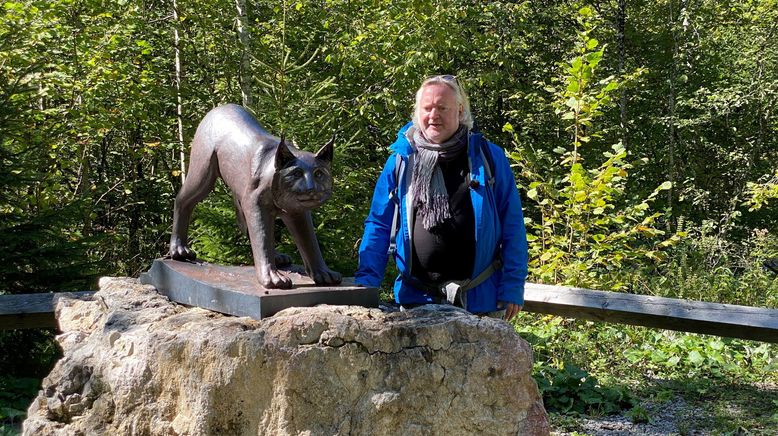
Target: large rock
x: 135, y: 363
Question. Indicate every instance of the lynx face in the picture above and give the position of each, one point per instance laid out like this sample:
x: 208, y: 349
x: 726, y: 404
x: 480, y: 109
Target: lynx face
x: 302, y: 179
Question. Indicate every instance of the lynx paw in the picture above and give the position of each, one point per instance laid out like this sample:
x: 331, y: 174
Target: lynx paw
x: 325, y: 276
x: 270, y: 278
x: 283, y: 259
x: 180, y: 251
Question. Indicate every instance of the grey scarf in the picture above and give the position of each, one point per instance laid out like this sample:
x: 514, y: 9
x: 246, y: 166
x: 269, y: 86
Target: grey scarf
x: 428, y: 187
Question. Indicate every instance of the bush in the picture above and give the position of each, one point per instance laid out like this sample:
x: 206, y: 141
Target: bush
x: 707, y: 267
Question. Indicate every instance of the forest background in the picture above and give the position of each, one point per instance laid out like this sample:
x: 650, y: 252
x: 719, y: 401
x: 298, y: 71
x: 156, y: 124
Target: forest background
x: 642, y: 134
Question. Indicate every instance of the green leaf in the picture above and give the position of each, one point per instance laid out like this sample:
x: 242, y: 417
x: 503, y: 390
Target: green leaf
x: 613, y: 85
x: 575, y: 66
x: 594, y: 58
x: 695, y: 357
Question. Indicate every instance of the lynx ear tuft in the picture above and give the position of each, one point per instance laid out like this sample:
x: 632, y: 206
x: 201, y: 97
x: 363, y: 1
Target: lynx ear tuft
x: 283, y: 154
x: 327, y: 151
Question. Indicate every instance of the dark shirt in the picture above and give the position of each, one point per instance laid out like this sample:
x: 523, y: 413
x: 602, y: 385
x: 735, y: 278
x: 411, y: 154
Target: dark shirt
x: 447, y: 251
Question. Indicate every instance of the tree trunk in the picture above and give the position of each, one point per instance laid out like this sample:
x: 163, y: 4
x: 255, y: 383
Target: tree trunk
x: 671, y: 143
x: 621, y: 22
x: 244, y: 75
x: 179, y: 109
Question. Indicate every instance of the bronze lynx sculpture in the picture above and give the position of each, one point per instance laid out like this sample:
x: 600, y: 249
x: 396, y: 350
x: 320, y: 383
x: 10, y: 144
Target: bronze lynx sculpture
x: 268, y: 178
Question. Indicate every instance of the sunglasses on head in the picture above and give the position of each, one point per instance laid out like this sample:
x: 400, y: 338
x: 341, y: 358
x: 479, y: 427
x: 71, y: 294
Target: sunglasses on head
x: 448, y: 78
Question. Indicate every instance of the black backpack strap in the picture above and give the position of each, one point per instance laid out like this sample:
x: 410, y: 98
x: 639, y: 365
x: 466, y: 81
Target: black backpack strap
x: 399, y: 171
x: 486, y: 156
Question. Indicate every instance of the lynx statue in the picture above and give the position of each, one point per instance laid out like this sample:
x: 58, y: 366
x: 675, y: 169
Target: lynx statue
x: 268, y: 178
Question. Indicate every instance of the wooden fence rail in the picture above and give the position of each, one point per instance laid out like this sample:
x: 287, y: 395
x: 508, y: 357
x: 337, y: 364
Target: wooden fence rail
x: 26, y: 311
x: 728, y: 320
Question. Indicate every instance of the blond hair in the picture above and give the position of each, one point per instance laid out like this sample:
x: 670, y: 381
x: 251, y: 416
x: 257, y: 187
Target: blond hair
x: 465, y: 118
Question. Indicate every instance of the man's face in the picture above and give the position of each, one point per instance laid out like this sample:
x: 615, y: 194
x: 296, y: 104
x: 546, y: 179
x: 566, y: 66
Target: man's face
x: 439, y: 112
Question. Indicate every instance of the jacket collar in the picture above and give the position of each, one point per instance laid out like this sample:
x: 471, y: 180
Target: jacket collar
x: 401, y: 145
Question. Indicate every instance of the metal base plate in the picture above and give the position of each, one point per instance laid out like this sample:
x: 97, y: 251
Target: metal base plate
x: 234, y: 290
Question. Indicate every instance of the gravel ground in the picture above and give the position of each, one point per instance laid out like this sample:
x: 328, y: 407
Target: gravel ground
x: 664, y: 419
x: 746, y: 412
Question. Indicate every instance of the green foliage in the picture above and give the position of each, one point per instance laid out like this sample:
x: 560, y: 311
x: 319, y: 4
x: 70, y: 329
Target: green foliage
x: 597, y: 368
x: 215, y: 235
x: 693, y: 357
x: 35, y: 352
x: 81, y: 153
x: 638, y: 415
x: 760, y: 193
x: 711, y: 63
x: 708, y: 267
x: 633, y: 354
x: 570, y: 389
x: 88, y: 131
x: 588, y: 227
x: 15, y: 396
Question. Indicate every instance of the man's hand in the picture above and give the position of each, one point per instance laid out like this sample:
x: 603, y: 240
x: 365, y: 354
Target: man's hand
x: 511, y: 310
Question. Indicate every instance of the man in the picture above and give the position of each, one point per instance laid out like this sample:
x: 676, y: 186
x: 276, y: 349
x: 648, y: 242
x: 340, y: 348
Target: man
x: 452, y: 200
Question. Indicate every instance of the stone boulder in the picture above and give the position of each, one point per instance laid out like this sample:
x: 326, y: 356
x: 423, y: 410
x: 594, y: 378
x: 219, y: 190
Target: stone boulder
x: 136, y: 364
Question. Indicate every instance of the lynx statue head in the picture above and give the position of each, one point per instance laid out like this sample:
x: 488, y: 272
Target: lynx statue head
x: 302, y: 179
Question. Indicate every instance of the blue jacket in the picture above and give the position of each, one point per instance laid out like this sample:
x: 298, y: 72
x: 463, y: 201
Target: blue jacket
x: 499, y: 225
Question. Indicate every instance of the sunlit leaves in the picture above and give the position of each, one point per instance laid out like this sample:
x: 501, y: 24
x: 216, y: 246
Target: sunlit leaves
x: 759, y: 194
x: 590, y: 228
